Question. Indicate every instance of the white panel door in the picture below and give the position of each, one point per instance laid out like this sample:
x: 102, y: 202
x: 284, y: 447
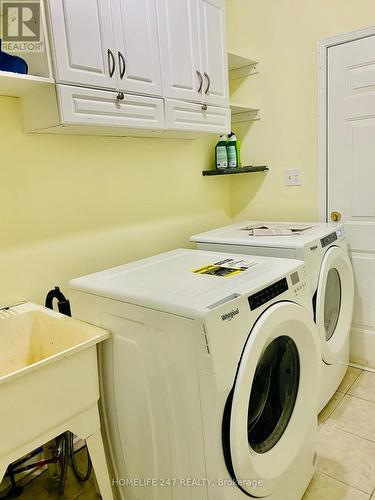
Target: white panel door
x: 178, y: 31
x: 351, y: 174
x: 83, y: 42
x: 214, y: 52
x: 137, y: 45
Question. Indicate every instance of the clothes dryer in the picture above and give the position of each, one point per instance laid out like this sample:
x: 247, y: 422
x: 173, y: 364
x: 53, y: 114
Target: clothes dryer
x: 323, y: 248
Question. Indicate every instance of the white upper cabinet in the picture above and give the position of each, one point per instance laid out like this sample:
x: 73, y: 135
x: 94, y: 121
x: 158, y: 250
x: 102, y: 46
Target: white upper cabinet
x: 190, y: 116
x: 135, y: 64
x: 194, y: 50
x: 137, y: 46
x: 107, y: 44
x: 214, y: 52
x: 80, y: 105
x: 179, y: 43
x: 83, y: 42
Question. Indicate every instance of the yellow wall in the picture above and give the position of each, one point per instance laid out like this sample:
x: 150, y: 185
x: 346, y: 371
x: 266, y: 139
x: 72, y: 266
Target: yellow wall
x: 71, y: 205
x: 283, y: 36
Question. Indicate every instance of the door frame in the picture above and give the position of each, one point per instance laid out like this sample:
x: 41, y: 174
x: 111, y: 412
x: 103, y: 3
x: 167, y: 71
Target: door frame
x: 322, y: 132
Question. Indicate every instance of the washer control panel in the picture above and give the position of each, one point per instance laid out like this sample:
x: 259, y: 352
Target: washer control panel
x: 270, y: 292
x: 299, y: 281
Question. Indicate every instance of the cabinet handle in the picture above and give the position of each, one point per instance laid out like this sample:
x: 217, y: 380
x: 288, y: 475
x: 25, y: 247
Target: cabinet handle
x: 204, y: 107
x: 200, y: 81
x: 120, y: 96
x: 111, y: 63
x: 122, y: 64
x: 208, y: 83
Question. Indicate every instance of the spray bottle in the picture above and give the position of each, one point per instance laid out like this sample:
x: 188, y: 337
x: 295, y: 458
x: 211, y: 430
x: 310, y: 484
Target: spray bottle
x: 221, y: 155
x: 233, y: 151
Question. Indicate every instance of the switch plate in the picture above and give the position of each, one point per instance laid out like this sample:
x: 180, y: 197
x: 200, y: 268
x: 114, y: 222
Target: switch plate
x: 293, y: 177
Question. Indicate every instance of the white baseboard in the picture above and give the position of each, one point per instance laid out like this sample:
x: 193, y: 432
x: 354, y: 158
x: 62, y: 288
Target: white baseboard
x: 362, y: 347
x: 362, y: 367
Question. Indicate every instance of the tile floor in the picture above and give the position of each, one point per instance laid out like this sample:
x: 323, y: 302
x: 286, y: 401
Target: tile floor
x: 346, y: 446
x: 346, y: 442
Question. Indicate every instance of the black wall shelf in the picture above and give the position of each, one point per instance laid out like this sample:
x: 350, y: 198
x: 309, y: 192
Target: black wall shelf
x: 231, y: 171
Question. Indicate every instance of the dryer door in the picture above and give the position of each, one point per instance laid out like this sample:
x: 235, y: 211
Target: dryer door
x: 334, y: 304
x: 275, y: 397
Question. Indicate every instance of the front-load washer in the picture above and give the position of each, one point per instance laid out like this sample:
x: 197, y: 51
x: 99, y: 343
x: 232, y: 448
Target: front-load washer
x: 323, y: 248
x: 209, y: 379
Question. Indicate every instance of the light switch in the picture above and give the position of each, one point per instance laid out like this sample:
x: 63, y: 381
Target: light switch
x: 293, y: 177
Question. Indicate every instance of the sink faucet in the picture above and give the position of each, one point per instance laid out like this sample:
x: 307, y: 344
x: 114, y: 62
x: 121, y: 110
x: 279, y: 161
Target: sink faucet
x: 63, y: 304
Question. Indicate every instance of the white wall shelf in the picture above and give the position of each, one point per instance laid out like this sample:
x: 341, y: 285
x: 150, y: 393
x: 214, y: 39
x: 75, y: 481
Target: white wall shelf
x: 242, y: 113
x: 18, y: 85
x: 240, y: 66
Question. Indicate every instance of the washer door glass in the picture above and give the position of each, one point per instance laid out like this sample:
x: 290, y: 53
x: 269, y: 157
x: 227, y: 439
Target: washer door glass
x: 334, y: 305
x: 272, y: 405
x: 332, y: 302
x: 273, y: 394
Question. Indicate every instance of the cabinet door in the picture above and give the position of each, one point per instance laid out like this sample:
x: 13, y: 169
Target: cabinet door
x: 178, y: 31
x: 83, y: 106
x: 137, y: 46
x: 190, y: 116
x: 214, y: 52
x: 82, y: 38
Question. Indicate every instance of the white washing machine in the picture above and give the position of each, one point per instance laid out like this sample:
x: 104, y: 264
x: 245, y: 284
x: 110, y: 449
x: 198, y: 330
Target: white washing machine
x: 323, y: 248
x: 209, y: 380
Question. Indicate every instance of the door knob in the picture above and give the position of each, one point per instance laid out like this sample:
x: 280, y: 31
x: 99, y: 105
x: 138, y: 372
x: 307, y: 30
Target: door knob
x: 335, y: 216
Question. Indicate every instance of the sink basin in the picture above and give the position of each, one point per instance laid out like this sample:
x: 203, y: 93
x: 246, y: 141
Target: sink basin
x: 48, y: 378
x: 32, y: 336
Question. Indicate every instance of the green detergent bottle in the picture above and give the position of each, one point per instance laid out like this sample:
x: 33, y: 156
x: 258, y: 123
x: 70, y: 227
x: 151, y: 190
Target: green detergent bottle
x: 233, y: 151
x: 221, y: 155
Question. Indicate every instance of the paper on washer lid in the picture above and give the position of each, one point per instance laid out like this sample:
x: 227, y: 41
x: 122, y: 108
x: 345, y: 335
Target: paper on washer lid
x: 276, y: 229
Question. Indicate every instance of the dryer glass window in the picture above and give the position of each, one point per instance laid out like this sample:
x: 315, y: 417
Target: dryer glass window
x: 332, y: 302
x: 273, y: 394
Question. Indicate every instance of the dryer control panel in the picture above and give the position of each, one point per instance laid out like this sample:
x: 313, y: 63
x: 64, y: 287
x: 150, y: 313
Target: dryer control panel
x: 327, y: 240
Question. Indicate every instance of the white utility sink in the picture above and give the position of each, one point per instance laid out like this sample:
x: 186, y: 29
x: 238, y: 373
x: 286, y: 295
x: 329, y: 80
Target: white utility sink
x: 32, y: 336
x: 48, y: 384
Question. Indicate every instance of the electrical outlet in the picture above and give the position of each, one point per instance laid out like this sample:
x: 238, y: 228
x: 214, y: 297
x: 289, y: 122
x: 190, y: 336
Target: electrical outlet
x: 293, y: 177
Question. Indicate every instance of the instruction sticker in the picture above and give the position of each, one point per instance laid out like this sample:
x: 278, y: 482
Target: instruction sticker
x: 225, y: 268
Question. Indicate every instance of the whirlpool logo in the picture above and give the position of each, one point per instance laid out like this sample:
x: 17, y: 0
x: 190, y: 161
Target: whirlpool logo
x: 230, y: 315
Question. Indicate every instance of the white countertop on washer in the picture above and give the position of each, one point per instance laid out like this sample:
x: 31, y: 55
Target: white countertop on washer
x: 235, y: 234
x: 169, y: 280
